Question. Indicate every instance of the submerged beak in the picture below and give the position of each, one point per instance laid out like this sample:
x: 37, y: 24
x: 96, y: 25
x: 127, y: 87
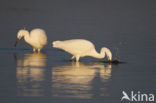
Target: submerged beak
x: 16, y: 42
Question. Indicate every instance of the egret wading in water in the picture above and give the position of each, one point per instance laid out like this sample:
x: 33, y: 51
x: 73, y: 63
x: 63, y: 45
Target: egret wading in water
x: 81, y: 48
x: 36, y: 38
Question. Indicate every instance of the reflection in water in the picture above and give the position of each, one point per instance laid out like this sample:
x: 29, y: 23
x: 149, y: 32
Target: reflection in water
x: 30, y: 74
x: 77, y: 80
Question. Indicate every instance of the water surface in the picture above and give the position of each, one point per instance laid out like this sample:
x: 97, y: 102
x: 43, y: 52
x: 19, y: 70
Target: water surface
x: 126, y: 27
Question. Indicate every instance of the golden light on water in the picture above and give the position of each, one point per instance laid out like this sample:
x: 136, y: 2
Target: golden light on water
x: 75, y: 81
x: 30, y: 74
x: 72, y: 80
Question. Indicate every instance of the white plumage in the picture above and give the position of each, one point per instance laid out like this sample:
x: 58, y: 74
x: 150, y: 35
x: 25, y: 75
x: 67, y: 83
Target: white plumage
x: 36, y: 38
x: 81, y: 48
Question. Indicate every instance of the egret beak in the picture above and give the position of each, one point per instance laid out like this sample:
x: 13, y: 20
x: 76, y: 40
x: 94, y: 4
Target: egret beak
x: 16, y: 42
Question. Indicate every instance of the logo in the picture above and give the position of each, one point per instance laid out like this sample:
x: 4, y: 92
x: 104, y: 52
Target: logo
x: 137, y: 97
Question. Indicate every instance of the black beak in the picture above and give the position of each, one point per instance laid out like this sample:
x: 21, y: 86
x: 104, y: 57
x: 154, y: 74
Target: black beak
x: 16, y: 42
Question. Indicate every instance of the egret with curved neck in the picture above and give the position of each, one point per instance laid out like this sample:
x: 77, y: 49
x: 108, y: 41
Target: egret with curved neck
x: 81, y: 48
x: 36, y: 38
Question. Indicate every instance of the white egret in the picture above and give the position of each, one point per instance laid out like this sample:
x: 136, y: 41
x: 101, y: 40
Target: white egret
x: 36, y: 38
x: 81, y: 48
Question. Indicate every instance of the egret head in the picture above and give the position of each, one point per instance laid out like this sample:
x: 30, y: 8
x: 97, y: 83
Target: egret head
x: 109, y: 56
x: 20, y: 34
x: 108, y: 53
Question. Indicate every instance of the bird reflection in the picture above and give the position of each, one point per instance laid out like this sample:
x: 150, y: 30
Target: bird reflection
x: 30, y: 74
x: 76, y: 80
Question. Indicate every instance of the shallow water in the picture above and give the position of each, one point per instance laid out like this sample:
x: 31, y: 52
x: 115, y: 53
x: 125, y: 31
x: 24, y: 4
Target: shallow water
x: 48, y: 77
x: 126, y: 27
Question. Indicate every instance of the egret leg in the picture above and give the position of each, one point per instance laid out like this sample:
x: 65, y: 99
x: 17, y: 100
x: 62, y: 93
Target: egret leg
x: 77, y: 58
x: 71, y: 59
